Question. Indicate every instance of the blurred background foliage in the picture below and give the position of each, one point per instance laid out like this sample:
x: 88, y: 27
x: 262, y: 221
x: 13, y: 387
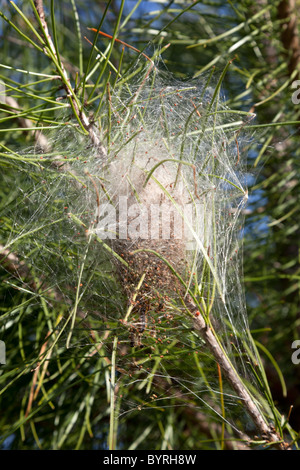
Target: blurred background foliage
x: 262, y: 40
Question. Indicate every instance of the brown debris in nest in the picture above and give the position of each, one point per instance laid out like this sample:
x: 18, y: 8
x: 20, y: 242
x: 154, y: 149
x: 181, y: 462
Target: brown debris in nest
x: 160, y: 283
x: 151, y: 233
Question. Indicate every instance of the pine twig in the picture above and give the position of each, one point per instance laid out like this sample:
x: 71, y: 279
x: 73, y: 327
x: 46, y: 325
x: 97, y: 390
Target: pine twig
x: 86, y: 124
x: 26, y: 123
x: 266, y: 430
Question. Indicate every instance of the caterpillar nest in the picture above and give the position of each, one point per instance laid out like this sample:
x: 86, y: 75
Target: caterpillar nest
x: 171, y: 194
x: 161, y: 199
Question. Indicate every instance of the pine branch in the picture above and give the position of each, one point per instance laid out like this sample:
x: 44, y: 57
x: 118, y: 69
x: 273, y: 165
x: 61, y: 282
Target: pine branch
x: 26, y: 123
x: 267, y: 431
x: 78, y: 110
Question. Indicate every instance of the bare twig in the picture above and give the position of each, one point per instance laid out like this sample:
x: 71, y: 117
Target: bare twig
x: 266, y: 430
x: 39, y: 137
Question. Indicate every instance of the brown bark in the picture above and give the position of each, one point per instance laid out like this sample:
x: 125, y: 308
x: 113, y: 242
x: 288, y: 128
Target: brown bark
x: 289, y: 35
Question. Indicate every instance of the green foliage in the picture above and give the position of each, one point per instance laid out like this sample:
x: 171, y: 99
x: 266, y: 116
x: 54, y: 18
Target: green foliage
x: 95, y: 393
